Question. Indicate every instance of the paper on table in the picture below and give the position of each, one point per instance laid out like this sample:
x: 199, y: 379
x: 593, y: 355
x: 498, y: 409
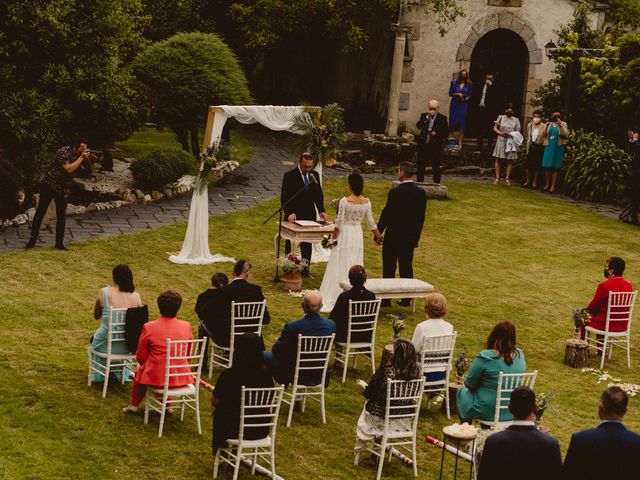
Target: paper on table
x: 307, y: 223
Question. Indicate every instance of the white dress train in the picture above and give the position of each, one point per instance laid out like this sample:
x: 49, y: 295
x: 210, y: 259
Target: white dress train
x: 349, y: 250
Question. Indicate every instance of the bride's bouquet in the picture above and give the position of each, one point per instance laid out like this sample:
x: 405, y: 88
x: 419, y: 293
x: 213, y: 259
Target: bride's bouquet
x: 328, y: 242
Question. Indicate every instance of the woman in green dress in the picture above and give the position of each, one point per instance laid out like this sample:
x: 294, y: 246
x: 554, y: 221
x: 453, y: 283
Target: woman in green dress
x: 554, y: 139
x: 477, y: 400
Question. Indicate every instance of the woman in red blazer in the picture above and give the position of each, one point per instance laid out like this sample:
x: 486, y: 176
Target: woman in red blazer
x: 152, y: 349
x: 613, y: 270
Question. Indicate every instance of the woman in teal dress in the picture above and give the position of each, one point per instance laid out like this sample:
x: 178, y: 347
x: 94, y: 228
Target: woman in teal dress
x: 554, y: 138
x: 477, y: 400
x: 121, y: 295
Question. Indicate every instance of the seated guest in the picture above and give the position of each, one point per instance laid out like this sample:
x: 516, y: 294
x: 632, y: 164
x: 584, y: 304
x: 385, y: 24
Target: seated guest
x: 152, y: 349
x: 239, y: 290
x: 340, y: 312
x: 404, y: 366
x: 122, y: 295
x: 608, y: 451
x: 477, y: 400
x: 435, y: 307
x: 281, y: 360
x: 248, y: 370
x: 521, y: 450
x: 613, y: 270
x: 208, y: 304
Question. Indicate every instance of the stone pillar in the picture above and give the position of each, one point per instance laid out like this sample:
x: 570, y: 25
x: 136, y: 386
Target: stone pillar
x: 396, y: 79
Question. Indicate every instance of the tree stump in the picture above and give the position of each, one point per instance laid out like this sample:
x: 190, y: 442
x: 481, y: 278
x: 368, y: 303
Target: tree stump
x: 576, y: 353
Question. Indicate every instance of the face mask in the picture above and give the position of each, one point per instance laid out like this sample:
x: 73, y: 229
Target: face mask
x: 463, y: 76
x: 509, y: 114
x: 536, y: 120
x: 606, y: 273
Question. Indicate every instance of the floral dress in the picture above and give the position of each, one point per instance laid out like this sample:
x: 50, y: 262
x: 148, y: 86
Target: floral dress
x: 505, y: 125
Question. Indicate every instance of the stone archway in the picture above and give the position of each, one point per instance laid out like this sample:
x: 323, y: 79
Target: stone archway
x: 524, y: 30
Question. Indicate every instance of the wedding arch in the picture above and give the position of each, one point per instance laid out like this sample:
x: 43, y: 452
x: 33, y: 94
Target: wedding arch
x: 195, y: 247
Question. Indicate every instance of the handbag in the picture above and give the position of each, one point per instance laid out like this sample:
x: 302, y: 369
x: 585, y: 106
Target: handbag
x: 133, y: 322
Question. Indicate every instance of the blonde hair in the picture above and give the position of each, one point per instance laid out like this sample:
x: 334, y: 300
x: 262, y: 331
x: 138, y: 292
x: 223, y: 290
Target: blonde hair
x: 435, y: 305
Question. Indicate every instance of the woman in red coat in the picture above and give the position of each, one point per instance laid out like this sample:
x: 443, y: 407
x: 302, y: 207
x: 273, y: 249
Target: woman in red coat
x: 152, y: 349
x: 613, y: 270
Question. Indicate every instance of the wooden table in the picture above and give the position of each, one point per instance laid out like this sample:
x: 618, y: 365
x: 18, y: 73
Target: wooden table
x: 297, y: 234
x: 388, y: 288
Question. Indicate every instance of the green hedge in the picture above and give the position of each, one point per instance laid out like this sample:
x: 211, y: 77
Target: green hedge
x: 161, y: 167
x: 595, y: 168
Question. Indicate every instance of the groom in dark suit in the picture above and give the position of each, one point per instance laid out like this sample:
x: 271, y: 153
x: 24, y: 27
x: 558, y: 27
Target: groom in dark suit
x: 402, y: 218
x: 302, y: 207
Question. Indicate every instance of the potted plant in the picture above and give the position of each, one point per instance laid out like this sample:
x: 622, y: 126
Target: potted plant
x: 581, y: 319
x: 291, y: 267
x: 461, y: 365
x: 397, y: 325
x: 542, y: 403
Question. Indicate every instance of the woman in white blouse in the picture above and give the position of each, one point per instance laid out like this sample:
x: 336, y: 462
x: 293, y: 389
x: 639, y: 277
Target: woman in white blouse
x: 435, y: 308
x: 535, y: 150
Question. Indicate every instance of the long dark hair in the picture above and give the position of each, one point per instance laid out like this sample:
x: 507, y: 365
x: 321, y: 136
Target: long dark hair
x: 123, y: 276
x: 356, y: 182
x: 467, y: 81
x: 247, y: 354
x: 405, y: 361
x: 503, y: 340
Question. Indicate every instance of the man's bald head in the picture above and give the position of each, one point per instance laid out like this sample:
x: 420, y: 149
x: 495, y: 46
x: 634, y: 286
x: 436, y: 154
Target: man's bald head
x: 312, y: 302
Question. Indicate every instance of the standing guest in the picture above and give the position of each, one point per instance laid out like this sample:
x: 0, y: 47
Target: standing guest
x: 403, y: 218
x: 506, y: 453
x: 460, y: 92
x: 435, y: 309
x: 303, y: 179
x: 209, y: 304
x: 433, y: 132
x: 487, y: 109
x: 281, y: 360
x: 122, y: 295
x: 503, y: 127
x: 634, y: 190
x: 152, y: 349
x: 404, y: 366
x: 607, y: 451
x: 477, y: 399
x: 340, y: 312
x: 613, y: 270
x: 56, y: 186
x: 248, y: 370
x: 535, y: 149
x: 556, y: 135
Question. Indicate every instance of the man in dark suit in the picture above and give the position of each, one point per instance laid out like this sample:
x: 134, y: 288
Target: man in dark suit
x: 218, y: 314
x: 521, y: 451
x: 303, y: 179
x: 487, y: 104
x: 609, y: 451
x: 402, y: 217
x: 434, y: 129
x: 634, y: 187
x: 282, y: 357
x: 208, y: 304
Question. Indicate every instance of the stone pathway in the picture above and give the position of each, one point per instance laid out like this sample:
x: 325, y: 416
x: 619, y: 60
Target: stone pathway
x: 263, y: 175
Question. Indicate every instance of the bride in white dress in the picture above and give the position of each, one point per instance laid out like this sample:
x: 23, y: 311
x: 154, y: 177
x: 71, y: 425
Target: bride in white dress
x: 349, y: 249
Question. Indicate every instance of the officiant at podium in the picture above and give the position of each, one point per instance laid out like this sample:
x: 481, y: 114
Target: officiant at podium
x: 304, y: 182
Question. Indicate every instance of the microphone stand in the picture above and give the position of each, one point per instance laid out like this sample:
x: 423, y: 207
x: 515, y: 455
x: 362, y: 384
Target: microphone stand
x: 279, y: 211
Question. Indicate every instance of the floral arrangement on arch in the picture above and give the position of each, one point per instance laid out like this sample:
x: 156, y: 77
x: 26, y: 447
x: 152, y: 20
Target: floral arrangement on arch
x: 291, y: 264
x: 321, y: 138
x: 208, y: 161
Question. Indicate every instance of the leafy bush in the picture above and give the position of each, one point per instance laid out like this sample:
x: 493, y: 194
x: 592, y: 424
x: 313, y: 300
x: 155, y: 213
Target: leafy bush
x: 595, y: 169
x: 161, y: 167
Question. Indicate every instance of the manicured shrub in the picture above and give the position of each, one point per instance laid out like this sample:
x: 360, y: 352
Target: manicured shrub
x: 595, y: 168
x: 161, y: 167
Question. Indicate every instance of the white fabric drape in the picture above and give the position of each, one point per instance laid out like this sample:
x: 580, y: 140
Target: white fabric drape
x: 195, y: 248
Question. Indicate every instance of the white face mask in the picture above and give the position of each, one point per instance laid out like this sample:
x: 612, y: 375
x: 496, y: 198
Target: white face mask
x: 536, y: 120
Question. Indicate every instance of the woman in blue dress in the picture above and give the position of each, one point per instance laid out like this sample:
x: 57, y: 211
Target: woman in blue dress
x: 460, y: 93
x: 121, y: 295
x: 477, y: 400
x: 554, y: 138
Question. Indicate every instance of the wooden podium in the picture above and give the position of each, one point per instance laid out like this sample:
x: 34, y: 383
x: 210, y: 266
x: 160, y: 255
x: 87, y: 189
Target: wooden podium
x: 297, y: 234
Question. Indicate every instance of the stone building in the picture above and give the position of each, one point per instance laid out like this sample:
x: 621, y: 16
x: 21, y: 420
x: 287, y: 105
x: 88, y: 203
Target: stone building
x: 505, y: 37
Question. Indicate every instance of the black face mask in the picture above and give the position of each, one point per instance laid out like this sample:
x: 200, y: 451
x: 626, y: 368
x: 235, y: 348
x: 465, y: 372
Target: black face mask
x: 509, y: 114
x: 606, y: 273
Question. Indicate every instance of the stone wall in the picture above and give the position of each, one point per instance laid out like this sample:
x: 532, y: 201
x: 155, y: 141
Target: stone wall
x: 433, y: 61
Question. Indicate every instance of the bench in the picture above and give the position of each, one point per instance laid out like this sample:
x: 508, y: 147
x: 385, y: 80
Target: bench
x: 388, y: 288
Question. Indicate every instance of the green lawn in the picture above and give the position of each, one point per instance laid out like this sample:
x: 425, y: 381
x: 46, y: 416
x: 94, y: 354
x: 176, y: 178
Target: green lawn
x: 496, y: 253
x: 148, y: 139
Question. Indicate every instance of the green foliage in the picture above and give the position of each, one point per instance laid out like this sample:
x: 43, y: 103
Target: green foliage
x: 322, y: 138
x: 63, y: 71
x: 161, y: 167
x: 186, y: 74
x: 596, y: 170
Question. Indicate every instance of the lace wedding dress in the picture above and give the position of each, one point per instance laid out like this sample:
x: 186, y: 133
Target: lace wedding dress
x: 349, y: 250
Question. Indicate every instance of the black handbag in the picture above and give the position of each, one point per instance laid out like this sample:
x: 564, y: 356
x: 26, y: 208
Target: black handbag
x: 134, y: 321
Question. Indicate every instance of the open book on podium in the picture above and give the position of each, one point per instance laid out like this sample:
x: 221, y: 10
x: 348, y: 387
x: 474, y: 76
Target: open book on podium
x: 307, y: 223
x: 303, y: 231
